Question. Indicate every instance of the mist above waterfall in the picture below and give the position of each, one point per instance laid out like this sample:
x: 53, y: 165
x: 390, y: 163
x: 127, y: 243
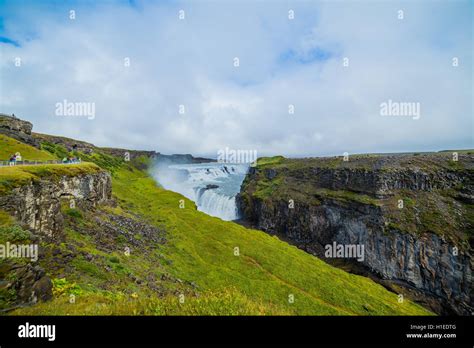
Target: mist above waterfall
x: 212, y: 186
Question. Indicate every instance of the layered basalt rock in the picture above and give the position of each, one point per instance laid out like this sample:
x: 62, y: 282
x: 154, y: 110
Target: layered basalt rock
x: 424, y: 243
x: 37, y: 205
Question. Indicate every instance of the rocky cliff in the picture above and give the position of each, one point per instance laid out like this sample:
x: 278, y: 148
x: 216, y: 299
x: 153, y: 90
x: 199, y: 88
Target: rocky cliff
x: 37, y: 204
x: 413, y: 215
x: 35, y: 196
x: 17, y: 129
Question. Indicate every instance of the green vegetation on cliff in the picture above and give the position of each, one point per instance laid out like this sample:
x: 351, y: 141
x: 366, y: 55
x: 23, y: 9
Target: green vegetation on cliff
x: 147, y: 254
x: 429, y: 162
x: 10, y: 146
x: 16, y: 176
x: 220, y: 267
x: 443, y: 211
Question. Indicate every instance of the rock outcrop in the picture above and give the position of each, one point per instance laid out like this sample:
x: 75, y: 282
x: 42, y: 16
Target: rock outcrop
x: 28, y: 281
x: 426, y: 244
x: 37, y: 205
x: 18, y: 129
x: 381, y: 183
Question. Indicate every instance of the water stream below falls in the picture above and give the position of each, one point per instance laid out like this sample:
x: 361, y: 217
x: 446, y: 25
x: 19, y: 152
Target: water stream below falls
x: 212, y: 186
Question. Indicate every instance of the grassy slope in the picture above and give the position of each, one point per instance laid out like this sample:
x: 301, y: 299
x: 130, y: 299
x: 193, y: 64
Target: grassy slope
x: 200, y: 249
x: 10, y: 146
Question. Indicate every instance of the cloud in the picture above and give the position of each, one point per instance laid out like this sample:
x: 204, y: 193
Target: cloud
x: 190, y: 63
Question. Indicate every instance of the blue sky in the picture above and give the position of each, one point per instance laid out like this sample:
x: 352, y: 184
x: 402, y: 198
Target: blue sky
x: 190, y: 62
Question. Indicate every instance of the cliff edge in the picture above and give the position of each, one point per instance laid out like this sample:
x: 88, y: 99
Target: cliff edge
x: 413, y: 214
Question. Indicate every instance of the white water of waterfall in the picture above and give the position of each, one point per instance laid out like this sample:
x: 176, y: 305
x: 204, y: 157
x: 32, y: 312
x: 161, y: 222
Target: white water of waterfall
x: 212, y: 186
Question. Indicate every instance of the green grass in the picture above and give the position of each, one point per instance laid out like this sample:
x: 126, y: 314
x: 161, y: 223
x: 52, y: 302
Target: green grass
x: 105, y: 161
x: 429, y: 162
x: 201, y: 250
x: 267, y: 161
x: 431, y: 212
x: 226, y: 302
x: 268, y: 270
x: 102, y: 159
x: 5, y: 219
x: 345, y: 195
x: 10, y: 146
x: 56, y: 150
x: 13, y: 234
x: 266, y: 188
x: 16, y: 176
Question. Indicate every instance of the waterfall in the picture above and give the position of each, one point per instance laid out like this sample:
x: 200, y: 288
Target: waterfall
x: 216, y: 204
x: 212, y: 186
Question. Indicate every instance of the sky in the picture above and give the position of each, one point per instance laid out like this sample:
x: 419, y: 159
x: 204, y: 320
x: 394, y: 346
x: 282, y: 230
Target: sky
x: 332, y: 63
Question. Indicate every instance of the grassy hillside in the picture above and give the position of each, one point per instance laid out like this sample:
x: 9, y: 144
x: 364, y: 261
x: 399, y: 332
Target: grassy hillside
x: 198, y: 261
x: 9, y: 146
x: 180, y: 261
x: 267, y: 269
